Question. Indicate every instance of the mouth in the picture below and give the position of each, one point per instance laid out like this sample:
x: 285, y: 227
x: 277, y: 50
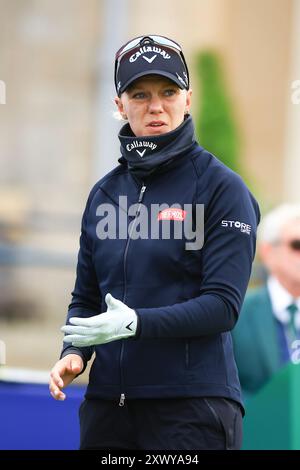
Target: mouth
x: 156, y: 124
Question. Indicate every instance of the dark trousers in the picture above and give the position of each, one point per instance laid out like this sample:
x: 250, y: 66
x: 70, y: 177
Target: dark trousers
x: 161, y: 424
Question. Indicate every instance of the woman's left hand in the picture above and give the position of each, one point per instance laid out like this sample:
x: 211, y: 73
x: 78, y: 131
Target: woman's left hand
x: 118, y: 322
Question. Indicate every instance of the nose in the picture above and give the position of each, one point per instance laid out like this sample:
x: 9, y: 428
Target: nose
x: 155, y: 105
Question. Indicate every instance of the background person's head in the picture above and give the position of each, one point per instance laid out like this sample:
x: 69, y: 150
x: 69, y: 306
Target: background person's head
x: 279, y: 245
x: 152, y: 84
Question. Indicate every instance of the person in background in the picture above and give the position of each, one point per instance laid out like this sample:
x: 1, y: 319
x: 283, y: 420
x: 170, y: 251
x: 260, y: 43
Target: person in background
x: 265, y: 337
x: 156, y: 307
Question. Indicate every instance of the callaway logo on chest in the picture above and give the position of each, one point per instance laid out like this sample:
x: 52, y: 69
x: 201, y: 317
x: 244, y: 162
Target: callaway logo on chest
x: 145, y: 49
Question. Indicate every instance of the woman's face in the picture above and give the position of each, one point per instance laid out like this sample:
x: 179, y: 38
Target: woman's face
x: 154, y: 105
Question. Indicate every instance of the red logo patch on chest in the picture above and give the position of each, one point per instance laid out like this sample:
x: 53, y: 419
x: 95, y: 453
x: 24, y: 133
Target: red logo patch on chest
x: 172, y: 213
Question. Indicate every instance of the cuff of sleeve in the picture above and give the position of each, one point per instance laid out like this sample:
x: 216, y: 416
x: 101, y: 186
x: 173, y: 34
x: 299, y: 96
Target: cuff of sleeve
x: 138, y: 326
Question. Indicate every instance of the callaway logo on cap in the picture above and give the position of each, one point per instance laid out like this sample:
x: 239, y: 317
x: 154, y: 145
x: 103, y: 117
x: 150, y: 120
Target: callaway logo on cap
x: 147, y: 55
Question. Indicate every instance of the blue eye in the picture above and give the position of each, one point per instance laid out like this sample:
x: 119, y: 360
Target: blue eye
x: 139, y: 96
x: 170, y: 92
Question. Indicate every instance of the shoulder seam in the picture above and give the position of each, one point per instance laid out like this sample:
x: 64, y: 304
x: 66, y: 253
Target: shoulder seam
x: 98, y: 185
x: 195, y: 167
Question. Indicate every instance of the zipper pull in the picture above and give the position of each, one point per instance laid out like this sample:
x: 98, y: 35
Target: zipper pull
x: 122, y: 399
x: 143, y: 188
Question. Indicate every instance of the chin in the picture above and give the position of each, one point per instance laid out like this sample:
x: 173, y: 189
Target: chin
x: 156, y: 131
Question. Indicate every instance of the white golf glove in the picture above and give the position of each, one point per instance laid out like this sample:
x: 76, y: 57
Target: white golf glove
x: 119, y: 321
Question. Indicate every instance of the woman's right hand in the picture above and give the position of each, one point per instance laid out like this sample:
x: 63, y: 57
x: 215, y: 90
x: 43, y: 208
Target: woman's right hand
x: 63, y: 373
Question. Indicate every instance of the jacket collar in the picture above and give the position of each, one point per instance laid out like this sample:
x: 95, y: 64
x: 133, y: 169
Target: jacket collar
x: 281, y: 299
x: 146, y: 155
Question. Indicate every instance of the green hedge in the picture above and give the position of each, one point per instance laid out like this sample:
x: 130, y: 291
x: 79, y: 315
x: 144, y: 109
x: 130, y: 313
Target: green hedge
x: 216, y: 130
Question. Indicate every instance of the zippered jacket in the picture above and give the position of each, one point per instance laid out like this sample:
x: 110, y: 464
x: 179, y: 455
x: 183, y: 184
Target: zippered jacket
x: 171, y: 232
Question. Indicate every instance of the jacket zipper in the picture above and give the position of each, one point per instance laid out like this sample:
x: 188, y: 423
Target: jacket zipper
x: 140, y: 199
x: 122, y: 399
x: 187, y: 353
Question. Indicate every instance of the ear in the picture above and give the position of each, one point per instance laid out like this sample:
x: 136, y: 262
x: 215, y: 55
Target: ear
x: 188, y: 101
x: 120, y: 107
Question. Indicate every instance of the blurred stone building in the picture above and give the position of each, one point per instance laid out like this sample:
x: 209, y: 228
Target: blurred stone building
x: 58, y: 134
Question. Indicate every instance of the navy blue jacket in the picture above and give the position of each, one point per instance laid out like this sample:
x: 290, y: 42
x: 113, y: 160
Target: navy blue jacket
x: 187, y: 301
